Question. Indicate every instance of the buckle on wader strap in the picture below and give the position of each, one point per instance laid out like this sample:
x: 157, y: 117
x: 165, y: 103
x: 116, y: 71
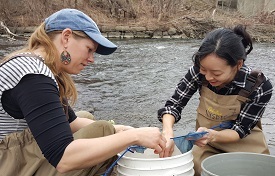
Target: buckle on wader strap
x: 253, y: 80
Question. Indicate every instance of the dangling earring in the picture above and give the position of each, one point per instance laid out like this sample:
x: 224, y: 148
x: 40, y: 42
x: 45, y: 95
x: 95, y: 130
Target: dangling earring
x: 65, y: 57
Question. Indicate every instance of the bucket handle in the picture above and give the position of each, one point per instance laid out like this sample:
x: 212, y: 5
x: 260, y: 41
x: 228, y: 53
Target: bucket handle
x: 132, y: 149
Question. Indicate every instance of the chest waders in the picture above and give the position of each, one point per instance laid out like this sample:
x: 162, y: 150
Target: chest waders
x: 214, y: 109
x: 21, y: 156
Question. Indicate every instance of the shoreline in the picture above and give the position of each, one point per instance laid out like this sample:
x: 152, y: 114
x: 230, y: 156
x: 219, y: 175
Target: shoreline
x: 141, y: 32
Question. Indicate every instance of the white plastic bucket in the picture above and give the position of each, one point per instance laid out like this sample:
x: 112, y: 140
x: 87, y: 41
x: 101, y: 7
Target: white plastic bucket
x: 149, y: 164
x: 238, y: 164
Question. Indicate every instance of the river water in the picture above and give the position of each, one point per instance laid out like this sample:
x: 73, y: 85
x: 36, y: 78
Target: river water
x: 130, y: 85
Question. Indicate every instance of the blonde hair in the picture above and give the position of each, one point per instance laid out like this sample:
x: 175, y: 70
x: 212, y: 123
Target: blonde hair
x: 40, y: 38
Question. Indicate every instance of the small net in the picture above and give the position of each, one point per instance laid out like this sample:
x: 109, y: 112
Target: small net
x: 186, y: 142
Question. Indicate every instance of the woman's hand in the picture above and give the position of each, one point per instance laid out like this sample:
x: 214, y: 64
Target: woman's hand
x: 168, y: 121
x: 149, y: 137
x: 206, y: 138
x: 169, y: 149
x: 223, y: 136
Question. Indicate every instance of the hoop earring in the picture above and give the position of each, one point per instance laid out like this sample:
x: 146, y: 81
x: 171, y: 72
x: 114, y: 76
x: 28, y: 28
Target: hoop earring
x: 65, y: 57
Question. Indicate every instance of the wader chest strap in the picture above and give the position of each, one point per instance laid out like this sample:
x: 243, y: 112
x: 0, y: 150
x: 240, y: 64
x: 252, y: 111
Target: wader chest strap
x: 254, y: 80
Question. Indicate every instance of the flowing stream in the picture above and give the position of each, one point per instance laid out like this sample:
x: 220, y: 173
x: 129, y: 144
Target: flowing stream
x: 130, y: 85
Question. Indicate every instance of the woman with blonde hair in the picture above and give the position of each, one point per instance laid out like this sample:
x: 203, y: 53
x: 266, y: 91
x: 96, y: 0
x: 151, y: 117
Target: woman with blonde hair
x: 40, y: 133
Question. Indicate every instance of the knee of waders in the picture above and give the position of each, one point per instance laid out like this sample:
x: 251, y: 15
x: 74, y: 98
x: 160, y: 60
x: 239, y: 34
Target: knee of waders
x: 105, y: 127
x: 96, y: 129
x: 85, y: 114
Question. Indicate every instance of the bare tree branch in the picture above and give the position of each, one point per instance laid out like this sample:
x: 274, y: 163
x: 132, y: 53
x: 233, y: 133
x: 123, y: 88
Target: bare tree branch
x: 11, y: 35
x: 7, y: 29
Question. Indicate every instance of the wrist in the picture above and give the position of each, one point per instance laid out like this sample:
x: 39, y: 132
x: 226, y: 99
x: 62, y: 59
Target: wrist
x: 213, y: 135
x: 168, y: 132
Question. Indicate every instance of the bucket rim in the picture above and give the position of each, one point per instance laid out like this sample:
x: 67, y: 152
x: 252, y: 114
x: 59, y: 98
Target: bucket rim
x: 190, y: 161
x: 192, y: 173
x: 158, y: 159
x: 230, y: 153
x: 191, y: 167
x: 238, y: 153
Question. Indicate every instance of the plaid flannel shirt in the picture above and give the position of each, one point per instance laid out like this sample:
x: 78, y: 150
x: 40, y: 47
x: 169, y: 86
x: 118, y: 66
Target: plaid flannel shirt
x: 251, y: 111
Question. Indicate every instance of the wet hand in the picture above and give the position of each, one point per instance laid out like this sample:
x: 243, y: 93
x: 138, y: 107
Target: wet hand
x: 169, y: 148
x: 206, y: 138
x: 151, y: 137
x: 161, y: 146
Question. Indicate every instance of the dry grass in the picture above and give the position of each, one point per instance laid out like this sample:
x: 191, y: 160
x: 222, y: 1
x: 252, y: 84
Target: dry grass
x: 192, y: 17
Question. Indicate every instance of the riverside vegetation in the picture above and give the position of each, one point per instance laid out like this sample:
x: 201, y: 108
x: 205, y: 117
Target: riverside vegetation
x: 139, y: 18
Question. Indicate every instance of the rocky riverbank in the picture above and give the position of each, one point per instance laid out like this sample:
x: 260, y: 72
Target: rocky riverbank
x: 123, y: 32
x: 259, y: 32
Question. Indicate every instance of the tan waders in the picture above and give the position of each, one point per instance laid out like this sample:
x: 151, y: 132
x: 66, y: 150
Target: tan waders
x: 214, y: 109
x: 21, y: 156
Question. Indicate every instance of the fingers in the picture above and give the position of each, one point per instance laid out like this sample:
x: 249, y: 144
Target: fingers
x: 202, y: 141
x: 168, y: 150
x: 158, y: 149
x: 200, y: 129
x: 161, y: 146
x: 151, y: 137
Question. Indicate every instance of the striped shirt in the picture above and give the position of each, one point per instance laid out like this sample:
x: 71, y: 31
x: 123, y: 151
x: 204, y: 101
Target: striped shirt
x: 11, y: 72
x: 251, y: 111
x: 30, y: 98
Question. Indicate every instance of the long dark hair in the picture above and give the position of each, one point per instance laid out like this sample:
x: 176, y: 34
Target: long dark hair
x: 229, y: 44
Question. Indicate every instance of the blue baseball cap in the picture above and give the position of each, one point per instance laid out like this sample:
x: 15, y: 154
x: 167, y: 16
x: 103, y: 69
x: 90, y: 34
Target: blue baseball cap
x: 77, y: 20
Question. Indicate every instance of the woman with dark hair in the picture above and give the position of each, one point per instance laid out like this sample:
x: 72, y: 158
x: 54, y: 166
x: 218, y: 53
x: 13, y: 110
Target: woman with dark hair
x: 229, y: 91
